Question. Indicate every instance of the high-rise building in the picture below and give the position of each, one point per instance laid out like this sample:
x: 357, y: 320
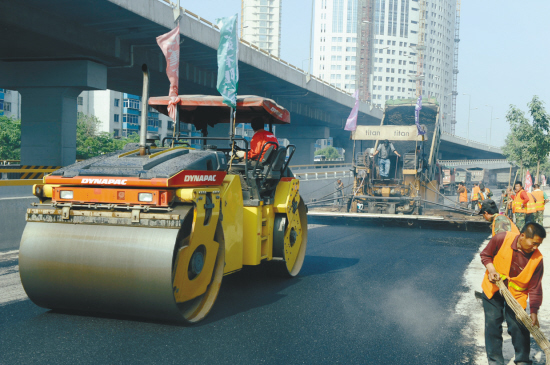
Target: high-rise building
x: 395, y: 57
x: 261, y: 24
x: 120, y: 115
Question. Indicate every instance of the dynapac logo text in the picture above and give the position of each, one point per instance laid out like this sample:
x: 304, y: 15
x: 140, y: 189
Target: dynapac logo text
x: 199, y: 178
x: 104, y: 181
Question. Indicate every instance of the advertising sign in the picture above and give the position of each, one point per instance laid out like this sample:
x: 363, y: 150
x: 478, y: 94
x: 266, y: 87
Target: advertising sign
x: 390, y: 132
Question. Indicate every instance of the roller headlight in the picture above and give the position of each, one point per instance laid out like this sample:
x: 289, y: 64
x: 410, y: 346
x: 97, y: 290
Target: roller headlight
x: 145, y: 197
x: 66, y: 194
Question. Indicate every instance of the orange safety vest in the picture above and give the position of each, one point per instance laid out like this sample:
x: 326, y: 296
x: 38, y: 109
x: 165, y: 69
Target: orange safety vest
x: 539, y: 196
x: 475, y: 191
x: 503, y: 260
x: 502, y: 223
x: 463, y: 197
x: 485, y: 195
x: 518, y: 204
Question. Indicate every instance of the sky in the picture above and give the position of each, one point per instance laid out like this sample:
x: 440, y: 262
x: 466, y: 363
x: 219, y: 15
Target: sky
x: 503, y: 60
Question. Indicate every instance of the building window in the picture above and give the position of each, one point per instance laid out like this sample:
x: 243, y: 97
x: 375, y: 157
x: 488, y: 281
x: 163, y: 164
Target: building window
x: 80, y: 100
x: 131, y: 103
x: 117, y: 103
x: 116, y: 133
x: 7, y: 107
x: 117, y: 118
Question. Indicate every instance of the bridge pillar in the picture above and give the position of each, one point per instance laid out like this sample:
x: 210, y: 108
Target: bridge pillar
x: 49, y: 91
x: 304, y: 138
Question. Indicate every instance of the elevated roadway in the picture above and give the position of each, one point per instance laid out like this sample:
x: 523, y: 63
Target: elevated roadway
x: 56, y: 51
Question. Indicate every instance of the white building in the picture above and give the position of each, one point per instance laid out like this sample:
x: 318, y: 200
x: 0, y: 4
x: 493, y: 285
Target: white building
x: 119, y: 113
x: 10, y: 104
x: 261, y: 24
x: 394, y: 48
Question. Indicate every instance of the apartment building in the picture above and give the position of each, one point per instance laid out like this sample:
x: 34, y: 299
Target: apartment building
x: 394, y: 48
x: 261, y: 24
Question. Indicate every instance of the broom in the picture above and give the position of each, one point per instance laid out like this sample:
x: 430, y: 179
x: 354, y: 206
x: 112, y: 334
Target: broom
x: 524, y: 318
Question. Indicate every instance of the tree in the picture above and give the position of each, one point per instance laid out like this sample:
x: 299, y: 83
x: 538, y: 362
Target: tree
x: 329, y: 152
x: 10, y: 139
x: 541, y: 127
x: 90, y: 142
x: 528, y: 144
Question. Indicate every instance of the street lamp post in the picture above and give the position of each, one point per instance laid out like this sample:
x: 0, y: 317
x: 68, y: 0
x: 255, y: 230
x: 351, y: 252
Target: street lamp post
x: 490, y: 125
x: 469, y: 109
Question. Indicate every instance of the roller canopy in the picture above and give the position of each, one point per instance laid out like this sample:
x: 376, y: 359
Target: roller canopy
x: 206, y: 109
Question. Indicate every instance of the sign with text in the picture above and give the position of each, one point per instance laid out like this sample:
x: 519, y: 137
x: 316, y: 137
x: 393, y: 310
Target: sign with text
x: 390, y: 132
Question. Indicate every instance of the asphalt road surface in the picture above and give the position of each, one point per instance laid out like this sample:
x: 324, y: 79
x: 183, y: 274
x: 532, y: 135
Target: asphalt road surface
x: 366, y: 295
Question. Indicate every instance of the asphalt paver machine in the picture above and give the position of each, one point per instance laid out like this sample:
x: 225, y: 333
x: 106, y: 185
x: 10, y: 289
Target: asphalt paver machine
x: 412, y: 180
x: 151, y: 234
x: 408, y: 195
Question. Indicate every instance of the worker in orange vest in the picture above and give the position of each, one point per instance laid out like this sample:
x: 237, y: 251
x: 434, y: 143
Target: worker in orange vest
x: 499, y: 222
x: 515, y: 259
x: 541, y: 199
x: 523, y: 206
x: 475, y: 195
x: 462, y: 195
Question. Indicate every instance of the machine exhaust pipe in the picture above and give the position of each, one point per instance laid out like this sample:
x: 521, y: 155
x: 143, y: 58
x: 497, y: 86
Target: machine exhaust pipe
x: 144, y: 111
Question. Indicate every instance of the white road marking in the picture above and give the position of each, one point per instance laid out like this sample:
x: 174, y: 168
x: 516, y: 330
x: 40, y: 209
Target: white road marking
x: 11, y: 289
x: 18, y: 197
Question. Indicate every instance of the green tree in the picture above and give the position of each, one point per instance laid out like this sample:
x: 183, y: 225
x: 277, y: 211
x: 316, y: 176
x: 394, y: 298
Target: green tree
x: 90, y: 142
x: 541, y: 127
x: 329, y: 152
x: 10, y: 139
x: 528, y: 143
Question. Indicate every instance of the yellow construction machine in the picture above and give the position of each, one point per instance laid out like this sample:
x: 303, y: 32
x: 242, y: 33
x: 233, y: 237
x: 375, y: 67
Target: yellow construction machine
x: 151, y: 231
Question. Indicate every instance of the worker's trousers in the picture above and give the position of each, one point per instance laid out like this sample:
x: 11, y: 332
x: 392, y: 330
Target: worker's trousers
x: 496, y: 311
x: 384, y: 164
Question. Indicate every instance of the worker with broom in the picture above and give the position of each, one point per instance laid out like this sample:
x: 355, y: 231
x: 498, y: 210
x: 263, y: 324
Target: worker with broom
x: 516, y: 260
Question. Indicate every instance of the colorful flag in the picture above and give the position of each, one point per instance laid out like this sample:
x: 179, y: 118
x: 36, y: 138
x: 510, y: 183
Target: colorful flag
x: 169, y: 43
x: 351, y: 123
x: 228, y: 57
x: 417, y: 116
x: 528, y: 182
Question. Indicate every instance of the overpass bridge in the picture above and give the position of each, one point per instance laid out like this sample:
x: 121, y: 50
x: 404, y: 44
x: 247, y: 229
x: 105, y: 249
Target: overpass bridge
x: 56, y: 51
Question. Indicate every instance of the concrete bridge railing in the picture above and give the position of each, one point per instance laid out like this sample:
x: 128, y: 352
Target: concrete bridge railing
x: 472, y: 162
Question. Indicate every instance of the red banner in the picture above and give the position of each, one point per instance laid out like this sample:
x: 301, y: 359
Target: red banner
x: 169, y: 43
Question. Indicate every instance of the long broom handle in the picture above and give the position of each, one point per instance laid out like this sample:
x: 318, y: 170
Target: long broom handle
x: 525, y: 319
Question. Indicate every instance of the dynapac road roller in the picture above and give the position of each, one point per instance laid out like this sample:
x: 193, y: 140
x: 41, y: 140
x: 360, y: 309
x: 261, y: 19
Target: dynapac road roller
x: 152, y: 233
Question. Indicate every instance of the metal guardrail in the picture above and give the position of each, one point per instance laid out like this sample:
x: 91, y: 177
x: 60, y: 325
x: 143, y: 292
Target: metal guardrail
x: 471, y: 162
x: 320, y: 165
x: 309, y: 176
x: 469, y: 141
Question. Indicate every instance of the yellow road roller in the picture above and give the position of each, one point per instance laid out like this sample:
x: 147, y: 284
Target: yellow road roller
x: 150, y: 232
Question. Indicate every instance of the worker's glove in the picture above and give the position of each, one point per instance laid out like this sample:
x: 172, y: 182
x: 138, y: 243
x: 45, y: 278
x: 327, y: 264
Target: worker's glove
x: 238, y: 154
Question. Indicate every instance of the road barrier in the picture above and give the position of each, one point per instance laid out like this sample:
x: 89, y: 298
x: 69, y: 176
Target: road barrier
x: 307, y: 176
x: 451, y: 163
x: 324, y: 165
x: 16, y: 175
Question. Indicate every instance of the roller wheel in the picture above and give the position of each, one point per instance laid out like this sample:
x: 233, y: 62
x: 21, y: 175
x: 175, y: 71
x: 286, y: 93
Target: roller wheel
x: 194, y: 310
x: 290, y: 241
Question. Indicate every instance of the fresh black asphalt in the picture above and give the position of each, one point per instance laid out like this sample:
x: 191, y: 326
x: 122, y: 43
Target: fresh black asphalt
x: 366, y: 295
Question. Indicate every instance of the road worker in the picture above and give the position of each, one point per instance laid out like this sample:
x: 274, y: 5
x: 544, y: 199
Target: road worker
x: 484, y: 192
x: 462, y: 195
x: 541, y: 199
x: 474, y: 197
x: 499, y: 222
x: 523, y: 205
x: 514, y: 258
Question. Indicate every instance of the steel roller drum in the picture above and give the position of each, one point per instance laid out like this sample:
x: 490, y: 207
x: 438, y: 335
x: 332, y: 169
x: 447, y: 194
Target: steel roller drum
x: 110, y: 269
